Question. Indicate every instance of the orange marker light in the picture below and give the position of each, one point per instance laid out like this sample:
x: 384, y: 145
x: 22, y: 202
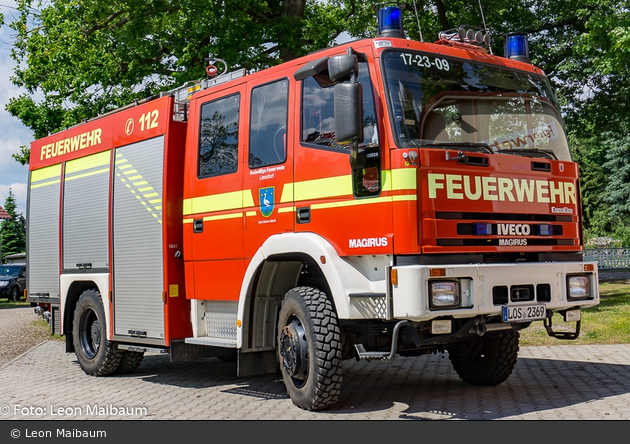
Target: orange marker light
x: 393, y: 276
x: 437, y: 272
x: 589, y: 267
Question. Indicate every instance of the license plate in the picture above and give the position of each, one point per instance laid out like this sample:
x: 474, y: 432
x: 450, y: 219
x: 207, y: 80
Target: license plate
x: 524, y: 313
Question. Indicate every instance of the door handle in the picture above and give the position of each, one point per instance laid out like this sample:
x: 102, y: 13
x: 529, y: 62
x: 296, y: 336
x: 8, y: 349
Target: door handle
x: 198, y: 226
x: 303, y: 215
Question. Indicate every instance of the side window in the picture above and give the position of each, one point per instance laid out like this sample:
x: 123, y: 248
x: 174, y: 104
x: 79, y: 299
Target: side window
x: 318, y: 127
x: 268, y: 124
x: 318, y: 117
x: 218, y: 137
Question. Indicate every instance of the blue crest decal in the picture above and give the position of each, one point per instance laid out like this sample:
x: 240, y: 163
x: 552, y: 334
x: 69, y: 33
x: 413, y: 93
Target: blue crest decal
x: 267, y: 200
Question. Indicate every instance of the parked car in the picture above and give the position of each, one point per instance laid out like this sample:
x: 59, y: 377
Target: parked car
x: 12, y: 281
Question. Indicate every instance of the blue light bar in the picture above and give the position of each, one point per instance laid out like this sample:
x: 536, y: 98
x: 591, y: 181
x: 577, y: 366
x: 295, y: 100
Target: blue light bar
x: 483, y: 229
x: 516, y: 47
x: 390, y: 22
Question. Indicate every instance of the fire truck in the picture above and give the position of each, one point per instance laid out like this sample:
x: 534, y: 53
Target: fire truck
x: 379, y: 199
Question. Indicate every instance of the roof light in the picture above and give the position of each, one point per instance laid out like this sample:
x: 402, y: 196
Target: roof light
x: 516, y: 46
x: 390, y: 22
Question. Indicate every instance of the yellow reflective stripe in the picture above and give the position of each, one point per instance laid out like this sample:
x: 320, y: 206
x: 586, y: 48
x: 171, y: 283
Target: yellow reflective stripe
x: 217, y: 202
x: 224, y: 216
x: 323, y: 188
x: 43, y: 184
x: 393, y: 180
x: 248, y: 199
x: 84, y: 163
x: 287, y: 193
x: 404, y: 197
x: 46, y: 173
x: 91, y: 173
x: 399, y: 179
x: 351, y: 203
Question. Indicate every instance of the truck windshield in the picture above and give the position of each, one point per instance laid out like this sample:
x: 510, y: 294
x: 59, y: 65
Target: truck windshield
x: 455, y: 103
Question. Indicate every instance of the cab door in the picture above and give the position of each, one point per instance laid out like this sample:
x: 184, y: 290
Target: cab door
x: 268, y: 177
x: 213, y: 197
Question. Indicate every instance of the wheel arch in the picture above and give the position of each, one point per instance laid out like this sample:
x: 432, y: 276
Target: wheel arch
x: 275, y: 269
x: 72, y: 287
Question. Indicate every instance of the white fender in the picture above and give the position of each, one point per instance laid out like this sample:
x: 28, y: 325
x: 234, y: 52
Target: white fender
x: 102, y: 282
x: 343, y: 278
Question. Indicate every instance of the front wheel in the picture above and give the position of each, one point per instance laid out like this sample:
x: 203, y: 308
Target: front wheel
x: 15, y: 294
x: 96, y: 355
x: 488, y: 361
x: 309, y: 342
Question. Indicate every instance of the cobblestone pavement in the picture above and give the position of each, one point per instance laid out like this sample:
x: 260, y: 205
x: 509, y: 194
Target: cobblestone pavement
x: 564, y: 382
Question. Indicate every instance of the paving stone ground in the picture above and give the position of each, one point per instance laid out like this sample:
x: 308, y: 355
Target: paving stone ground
x: 564, y: 382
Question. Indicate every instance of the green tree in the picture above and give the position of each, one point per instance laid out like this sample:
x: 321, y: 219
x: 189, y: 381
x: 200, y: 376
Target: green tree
x: 13, y: 230
x: 88, y: 57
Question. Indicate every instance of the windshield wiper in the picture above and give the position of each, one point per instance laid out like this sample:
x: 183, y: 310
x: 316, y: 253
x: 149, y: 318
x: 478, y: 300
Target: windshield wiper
x: 465, y: 146
x: 534, y: 152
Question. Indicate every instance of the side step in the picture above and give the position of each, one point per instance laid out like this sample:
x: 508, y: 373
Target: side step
x: 214, y: 342
x: 381, y: 356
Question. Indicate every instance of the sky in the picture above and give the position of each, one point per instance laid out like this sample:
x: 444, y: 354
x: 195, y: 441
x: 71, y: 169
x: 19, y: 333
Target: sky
x: 13, y: 176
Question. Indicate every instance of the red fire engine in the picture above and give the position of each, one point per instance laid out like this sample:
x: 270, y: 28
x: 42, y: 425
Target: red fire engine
x: 380, y: 198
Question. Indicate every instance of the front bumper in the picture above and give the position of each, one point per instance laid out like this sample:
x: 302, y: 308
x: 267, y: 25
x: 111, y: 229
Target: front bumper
x: 486, y: 288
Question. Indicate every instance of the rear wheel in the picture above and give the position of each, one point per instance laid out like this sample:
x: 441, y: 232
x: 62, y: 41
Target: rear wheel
x: 129, y: 362
x: 309, y: 341
x: 96, y: 355
x: 489, y: 361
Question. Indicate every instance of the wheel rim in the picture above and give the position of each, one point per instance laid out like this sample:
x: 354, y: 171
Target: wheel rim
x: 294, y: 352
x: 90, y: 334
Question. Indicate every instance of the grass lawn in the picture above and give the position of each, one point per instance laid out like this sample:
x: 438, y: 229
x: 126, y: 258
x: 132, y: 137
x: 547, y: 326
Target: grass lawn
x: 606, y: 323
x: 4, y: 303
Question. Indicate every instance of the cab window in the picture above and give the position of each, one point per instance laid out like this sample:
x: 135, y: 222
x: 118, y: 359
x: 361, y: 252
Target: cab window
x: 218, y: 137
x: 268, y: 124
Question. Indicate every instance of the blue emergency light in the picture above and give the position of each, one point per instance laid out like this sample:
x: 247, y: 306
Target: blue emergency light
x: 482, y: 228
x: 390, y: 22
x: 516, y: 46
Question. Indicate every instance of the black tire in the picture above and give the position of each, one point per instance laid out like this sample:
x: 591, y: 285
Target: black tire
x: 309, y: 348
x: 129, y: 362
x: 96, y: 355
x: 489, y: 361
x: 14, y: 296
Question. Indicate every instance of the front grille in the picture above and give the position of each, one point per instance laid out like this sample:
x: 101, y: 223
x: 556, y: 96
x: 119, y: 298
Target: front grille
x: 485, y: 242
x: 468, y: 229
x: 505, y: 216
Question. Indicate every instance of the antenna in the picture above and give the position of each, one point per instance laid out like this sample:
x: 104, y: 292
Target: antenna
x: 418, y: 19
x: 483, y: 19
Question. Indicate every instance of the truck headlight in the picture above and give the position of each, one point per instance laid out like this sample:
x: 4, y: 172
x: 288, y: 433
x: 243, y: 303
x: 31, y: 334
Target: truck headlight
x: 578, y: 287
x: 444, y: 294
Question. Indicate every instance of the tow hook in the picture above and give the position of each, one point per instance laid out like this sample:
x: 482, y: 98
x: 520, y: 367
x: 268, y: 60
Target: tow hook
x: 480, y: 328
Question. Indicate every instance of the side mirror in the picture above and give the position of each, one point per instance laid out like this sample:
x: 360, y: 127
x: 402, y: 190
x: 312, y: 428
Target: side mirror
x: 349, y: 120
x: 343, y: 67
x: 348, y: 112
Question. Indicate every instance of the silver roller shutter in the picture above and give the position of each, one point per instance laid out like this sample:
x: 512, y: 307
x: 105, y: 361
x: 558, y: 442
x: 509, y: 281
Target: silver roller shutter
x: 137, y: 233
x: 86, y: 212
x: 43, y: 232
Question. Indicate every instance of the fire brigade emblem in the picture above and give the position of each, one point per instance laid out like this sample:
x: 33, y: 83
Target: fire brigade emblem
x: 267, y: 198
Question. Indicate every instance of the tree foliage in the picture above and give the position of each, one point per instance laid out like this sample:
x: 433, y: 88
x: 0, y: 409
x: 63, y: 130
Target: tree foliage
x: 13, y: 231
x: 85, y: 57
